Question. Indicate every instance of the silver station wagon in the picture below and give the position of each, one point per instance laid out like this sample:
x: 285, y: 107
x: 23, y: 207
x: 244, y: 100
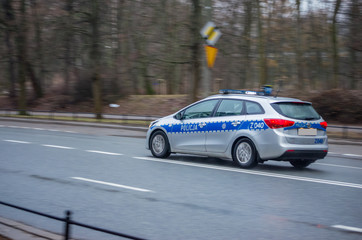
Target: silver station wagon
x: 245, y: 126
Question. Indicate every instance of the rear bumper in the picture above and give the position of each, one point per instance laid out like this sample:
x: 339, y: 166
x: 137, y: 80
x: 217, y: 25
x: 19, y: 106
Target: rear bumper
x: 302, y: 154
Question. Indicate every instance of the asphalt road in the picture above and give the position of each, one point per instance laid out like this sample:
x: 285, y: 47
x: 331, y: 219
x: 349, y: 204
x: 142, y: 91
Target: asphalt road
x: 111, y: 181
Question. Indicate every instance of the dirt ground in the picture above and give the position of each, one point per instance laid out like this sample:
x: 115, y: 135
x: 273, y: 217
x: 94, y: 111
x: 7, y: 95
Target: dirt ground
x: 145, y: 105
x: 4, y: 238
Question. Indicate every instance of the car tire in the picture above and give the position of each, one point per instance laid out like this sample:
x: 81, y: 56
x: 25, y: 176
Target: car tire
x: 159, y: 145
x: 300, y: 164
x: 244, y: 153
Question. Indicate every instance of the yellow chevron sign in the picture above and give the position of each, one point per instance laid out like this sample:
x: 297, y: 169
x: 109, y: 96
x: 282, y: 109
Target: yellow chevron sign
x: 211, y: 53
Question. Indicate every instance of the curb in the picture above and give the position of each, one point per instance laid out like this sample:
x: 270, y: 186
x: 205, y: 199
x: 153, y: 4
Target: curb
x: 16, y: 230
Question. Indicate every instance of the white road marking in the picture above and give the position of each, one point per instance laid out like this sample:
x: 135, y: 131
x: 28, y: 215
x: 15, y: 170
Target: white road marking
x: 107, y: 153
x: 112, y: 184
x: 39, y: 129
x: 347, y: 228
x: 305, y: 179
x: 334, y: 165
x: 345, y: 154
x: 70, y: 132
x: 16, y: 141
x: 352, y: 155
x: 57, y: 146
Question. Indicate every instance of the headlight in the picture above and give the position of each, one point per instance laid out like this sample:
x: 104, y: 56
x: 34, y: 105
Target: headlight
x: 152, y: 123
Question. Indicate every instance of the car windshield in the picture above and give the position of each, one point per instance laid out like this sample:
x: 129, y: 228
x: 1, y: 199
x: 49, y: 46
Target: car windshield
x: 296, y: 110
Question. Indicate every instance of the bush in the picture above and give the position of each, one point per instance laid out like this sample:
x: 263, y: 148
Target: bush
x: 342, y: 106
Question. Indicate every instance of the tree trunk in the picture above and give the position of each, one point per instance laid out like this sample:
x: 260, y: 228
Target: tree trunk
x: 34, y: 80
x: 263, y: 68
x: 38, y: 66
x: 117, y: 57
x: 68, y: 43
x: 298, y: 52
x: 9, y: 17
x: 21, y: 42
x: 355, y: 45
x: 335, y: 57
x: 95, y: 59
x: 196, y: 48
x: 248, y: 6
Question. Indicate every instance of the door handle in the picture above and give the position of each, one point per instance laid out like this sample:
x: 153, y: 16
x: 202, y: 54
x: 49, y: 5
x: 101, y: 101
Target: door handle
x: 201, y: 125
x: 235, y: 123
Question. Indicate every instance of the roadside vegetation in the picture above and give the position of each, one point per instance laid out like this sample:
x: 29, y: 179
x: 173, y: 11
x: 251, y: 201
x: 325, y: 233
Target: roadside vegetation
x: 148, y: 56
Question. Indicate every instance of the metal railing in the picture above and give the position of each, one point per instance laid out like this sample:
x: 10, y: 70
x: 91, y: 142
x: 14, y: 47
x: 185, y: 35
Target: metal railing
x: 346, y: 130
x: 68, y: 222
x: 75, y: 115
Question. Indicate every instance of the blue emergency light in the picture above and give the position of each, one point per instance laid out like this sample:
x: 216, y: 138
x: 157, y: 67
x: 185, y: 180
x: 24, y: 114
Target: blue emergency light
x: 267, y: 91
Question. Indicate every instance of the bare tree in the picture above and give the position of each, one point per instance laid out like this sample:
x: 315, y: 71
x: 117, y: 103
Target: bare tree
x: 298, y: 49
x: 21, y: 55
x: 263, y: 68
x: 9, y: 32
x: 355, y: 44
x: 95, y: 58
x: 196, y: 48
x: 334, y: 36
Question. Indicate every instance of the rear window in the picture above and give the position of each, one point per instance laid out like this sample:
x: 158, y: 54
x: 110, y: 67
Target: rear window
x: 296, y: 110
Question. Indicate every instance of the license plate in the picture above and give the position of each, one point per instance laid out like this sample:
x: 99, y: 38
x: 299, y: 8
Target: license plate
x: 307, y: 131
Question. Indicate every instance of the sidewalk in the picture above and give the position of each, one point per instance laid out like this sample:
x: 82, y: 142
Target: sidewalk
x: 11, y: 230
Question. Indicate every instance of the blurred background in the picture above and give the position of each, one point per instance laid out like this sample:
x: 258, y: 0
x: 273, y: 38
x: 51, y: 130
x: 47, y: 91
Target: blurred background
x: 90, y: 53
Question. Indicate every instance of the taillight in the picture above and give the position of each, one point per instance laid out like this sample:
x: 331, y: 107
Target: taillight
x: 324, y: 124
x: 278, y: 123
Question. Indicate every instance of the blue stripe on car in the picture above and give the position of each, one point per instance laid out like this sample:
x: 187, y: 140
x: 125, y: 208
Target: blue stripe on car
x: 221, y: 126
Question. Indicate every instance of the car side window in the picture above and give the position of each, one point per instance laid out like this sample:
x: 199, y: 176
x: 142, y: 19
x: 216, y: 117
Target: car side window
x: 229, y: 107
x: 253, y: 108
x: 200, y: 110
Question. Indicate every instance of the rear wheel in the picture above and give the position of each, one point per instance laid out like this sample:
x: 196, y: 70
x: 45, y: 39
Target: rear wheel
x: 159, y: 145
x: 300, y: 164
x: 244, y: 153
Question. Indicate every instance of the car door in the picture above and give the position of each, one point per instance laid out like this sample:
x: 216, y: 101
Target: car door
x: 188, y: 134
x: 226, y: 121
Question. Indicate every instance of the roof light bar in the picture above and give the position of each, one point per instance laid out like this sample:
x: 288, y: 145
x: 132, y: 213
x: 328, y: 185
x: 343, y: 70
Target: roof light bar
x: 267, y: 90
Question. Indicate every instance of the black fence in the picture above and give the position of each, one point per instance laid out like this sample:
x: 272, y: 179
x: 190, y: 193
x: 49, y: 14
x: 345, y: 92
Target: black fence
x: 67, y: 220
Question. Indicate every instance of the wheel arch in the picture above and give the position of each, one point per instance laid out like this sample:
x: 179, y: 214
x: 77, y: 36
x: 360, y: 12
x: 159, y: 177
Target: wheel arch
x: 251, y: 140
x: 154, y: 131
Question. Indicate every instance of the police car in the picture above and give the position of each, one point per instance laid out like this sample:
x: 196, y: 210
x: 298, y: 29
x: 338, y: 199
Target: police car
x: 245, y: 126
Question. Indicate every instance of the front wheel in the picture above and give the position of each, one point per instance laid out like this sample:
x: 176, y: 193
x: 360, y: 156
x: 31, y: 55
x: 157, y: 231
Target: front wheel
x: 300, y: 164
x: 244, y: 153
x: 159, y: 145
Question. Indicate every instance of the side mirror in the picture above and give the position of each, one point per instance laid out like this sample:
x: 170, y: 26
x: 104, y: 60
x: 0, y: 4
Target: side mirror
x: 179, y: 116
